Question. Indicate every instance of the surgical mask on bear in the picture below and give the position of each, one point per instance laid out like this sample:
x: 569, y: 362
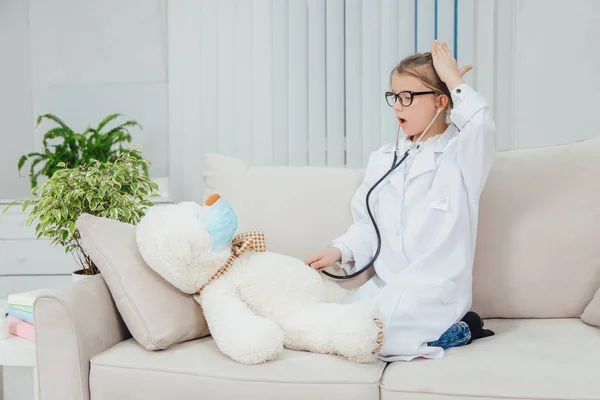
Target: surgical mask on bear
x: 221, y: 222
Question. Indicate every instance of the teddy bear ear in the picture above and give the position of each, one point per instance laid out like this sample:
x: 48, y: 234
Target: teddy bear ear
x: 212, y: 199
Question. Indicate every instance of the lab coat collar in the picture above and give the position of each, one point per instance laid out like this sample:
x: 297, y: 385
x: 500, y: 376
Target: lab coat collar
x: 424, y: 161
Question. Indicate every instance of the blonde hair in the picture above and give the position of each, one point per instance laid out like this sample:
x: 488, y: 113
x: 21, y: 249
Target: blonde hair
x: 420, y: 65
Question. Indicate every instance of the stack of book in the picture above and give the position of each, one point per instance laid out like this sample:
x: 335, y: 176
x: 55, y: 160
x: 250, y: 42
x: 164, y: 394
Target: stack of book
x: 20, y: 314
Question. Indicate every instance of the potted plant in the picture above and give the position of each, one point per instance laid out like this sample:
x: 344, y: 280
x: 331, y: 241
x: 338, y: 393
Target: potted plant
x: 117, y: 189
x: 62, y: 145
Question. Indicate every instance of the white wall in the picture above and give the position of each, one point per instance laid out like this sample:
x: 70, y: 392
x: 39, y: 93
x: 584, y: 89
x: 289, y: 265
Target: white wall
x: 80, y: 61
x: 16, y: 115
x: 555, y: 64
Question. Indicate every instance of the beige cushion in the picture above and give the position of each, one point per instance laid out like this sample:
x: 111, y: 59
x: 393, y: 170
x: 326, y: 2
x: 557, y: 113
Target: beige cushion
x: 591, y: 314
x: 537, y: 250
x: 198, y: 370
x: 527, y: 359
x: 156, y: 313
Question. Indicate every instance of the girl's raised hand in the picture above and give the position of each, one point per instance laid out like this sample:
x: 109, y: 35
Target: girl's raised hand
x: 446, y: 66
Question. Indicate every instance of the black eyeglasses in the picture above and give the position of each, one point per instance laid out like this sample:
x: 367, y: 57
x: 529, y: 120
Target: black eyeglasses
x: 406, y: 97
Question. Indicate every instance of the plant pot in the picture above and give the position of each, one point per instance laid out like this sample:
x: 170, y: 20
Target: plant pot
x: 79, y: 275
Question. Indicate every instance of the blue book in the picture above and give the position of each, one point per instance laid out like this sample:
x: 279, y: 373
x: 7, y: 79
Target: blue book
x: 20, y: 314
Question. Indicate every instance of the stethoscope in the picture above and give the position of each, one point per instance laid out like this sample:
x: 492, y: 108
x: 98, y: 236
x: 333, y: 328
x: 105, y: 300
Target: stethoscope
x: 395, y: 164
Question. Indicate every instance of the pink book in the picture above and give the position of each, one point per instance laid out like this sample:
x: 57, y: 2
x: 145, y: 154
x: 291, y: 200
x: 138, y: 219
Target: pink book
x: 20, y: 328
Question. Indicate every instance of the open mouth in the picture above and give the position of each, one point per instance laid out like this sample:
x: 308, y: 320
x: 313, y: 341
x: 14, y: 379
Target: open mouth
x: 402, y: 121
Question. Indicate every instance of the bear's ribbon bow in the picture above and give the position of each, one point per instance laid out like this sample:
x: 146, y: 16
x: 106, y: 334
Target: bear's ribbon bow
x: 252, y: 240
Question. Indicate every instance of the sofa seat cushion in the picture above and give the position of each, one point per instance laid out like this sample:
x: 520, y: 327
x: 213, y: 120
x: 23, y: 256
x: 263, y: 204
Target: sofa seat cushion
x: 198, y: 370
x: 527, y: 359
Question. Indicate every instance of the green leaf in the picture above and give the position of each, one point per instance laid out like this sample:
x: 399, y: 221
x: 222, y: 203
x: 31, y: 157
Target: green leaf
x: 106, y: 121
x: 94, y: 203
x: 72, y: 228
x: 9, y: 206
x: 21, y: 162
x: 53, y: 118
x: 25, y: 204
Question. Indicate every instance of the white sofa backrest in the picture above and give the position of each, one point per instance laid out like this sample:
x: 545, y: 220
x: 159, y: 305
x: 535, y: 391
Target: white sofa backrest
x: 538, y: 247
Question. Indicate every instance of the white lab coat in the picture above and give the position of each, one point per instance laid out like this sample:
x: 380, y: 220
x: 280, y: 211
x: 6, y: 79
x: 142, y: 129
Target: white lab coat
x: 428, y: 226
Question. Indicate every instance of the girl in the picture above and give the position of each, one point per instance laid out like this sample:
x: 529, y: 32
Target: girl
x: 426, y: 210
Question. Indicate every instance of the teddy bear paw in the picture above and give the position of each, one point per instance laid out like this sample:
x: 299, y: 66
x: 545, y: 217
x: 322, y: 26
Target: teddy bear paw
x: 363, y: 343
x: 380, y: 336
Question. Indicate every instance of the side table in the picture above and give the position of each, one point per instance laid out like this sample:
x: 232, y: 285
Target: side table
x: 17, y: 352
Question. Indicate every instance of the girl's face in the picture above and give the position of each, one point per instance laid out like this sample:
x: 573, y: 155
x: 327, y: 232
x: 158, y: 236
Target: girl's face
x: 414, y: 116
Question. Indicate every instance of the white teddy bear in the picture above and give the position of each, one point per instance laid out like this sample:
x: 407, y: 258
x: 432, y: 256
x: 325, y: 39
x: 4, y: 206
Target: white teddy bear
x: 255, y: 302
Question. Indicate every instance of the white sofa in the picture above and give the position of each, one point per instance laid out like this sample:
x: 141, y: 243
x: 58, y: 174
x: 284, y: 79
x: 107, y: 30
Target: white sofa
x: 125, y: 334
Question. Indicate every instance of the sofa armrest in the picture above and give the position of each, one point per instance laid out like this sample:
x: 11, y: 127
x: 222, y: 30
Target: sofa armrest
x: 73, y: 324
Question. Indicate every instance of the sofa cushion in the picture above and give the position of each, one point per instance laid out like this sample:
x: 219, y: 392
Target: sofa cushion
x: 537, y: 247
x: 591, y: 314
x: 527, y: 359
x: 198, y: 370
x: 156, y: 313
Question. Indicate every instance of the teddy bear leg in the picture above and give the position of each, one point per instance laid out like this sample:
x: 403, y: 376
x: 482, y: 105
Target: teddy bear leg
x: 237, y: 331
x: 353, y: 331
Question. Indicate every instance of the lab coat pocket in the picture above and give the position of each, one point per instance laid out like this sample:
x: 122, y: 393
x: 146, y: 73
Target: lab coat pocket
x: 439, y: 204
x: 438, y: 199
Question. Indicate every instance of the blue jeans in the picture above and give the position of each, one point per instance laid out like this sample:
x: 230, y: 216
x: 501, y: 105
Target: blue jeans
x: 458, y: 334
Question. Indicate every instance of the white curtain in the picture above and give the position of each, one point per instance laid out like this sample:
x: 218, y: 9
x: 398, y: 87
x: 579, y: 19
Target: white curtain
x: 295, y: 82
